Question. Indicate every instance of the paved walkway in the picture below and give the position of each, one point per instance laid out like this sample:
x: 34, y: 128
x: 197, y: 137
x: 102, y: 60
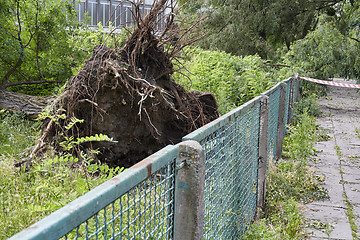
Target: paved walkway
x: 338, y: 161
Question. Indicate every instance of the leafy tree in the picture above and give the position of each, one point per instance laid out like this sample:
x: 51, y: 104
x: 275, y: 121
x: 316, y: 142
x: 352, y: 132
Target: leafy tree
x: 244, y: 27
x: 34, y: 44
x: 326, y: 52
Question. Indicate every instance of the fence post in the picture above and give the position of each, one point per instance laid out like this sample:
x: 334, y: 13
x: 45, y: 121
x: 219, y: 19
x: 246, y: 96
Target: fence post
x: 281, y: 122
x: 291, y: 103
x: 189, y: 191
x: 297, y: 90
x: 263, y: 150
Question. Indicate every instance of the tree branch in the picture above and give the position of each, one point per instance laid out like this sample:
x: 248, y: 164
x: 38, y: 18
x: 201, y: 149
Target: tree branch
x: 357, y: 40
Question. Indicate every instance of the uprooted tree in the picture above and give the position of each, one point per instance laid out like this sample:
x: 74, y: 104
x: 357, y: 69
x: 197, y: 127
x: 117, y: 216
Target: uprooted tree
x: 129, y: 95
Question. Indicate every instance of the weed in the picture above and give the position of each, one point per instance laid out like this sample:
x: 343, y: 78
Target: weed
x: 286, y: 223
x: 357, y: 132
x: 308, y: 105
x: 299, y: 143
x: 338, y: 151
x: 326, y: 228
x: 351, y: 216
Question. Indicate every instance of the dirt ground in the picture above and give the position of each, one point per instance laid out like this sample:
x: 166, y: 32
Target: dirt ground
x: 338, y: 162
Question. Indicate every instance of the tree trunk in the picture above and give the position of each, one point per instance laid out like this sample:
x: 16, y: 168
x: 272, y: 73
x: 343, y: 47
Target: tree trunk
x: 18, y: 102
x: 10, y: 72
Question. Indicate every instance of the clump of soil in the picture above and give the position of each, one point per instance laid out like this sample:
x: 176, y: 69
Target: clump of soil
x: 129, y: 95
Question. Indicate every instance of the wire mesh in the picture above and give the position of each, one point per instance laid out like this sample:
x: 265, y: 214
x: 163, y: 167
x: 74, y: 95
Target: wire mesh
x: 274, y: 103
x: 231, y: 162
x: 296, y: 85
x: 145, y: 212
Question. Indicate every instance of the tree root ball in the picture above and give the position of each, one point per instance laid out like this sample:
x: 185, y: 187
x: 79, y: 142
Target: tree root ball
x: 140, y: 113
x: 128, y: 94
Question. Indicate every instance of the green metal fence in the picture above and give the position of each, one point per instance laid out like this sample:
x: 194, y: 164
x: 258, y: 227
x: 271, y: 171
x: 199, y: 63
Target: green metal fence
x: 274, y: 103
x: 231, y: 156
x: 136, y: 204
x: 145, y: 201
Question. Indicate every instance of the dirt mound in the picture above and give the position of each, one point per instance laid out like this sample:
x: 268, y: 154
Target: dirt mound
x: 128, y: 94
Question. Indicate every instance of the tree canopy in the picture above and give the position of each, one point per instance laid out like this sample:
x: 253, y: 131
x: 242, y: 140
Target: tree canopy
x: 244, y: 27
x: 34, y: 44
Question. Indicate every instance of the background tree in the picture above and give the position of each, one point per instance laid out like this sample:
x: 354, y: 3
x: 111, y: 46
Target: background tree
x: 245, y: 27
x: 326, y: 52
x: 34, y: 44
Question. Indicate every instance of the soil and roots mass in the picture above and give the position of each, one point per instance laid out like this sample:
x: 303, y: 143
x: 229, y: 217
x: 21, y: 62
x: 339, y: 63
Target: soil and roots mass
x: 129, y: 95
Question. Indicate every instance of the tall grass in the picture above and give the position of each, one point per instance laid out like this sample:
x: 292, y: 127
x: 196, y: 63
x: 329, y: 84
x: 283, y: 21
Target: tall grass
x: 17, y: 133
x: 27, y: 194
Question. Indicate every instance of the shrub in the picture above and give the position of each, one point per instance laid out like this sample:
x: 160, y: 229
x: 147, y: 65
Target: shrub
x: 233, y: 80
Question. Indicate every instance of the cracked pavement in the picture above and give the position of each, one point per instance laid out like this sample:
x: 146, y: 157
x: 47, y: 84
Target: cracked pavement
x: 338, y: 161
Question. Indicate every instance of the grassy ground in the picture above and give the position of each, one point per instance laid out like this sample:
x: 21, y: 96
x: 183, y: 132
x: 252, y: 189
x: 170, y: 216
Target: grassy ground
x: 28, y: 195
x: 290, y: 182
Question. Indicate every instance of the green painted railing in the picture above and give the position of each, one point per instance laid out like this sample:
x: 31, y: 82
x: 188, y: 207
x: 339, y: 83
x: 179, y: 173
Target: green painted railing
x: 166, y: 196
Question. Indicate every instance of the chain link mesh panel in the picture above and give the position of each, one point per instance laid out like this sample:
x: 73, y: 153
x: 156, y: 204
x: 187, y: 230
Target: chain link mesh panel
x: 231, y: 163
x: 296, y: 86
x: 144, y: 212
x: 274, y: 102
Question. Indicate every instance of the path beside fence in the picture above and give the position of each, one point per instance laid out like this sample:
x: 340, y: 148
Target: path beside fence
x: 338, y: 161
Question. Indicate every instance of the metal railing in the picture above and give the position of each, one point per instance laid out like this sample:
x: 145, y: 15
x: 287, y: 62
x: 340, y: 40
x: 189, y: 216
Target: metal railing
x: 207, y: 187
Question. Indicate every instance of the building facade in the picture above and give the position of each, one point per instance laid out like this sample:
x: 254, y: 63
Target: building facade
x: 116, y: 13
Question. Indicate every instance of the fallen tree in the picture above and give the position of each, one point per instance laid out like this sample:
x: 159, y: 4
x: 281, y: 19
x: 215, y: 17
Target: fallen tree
x: 31, y: 106
x: 129, y: 95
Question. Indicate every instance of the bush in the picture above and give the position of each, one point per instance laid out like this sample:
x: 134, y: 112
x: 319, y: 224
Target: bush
x: 233, y: 80
x: 325, y: 53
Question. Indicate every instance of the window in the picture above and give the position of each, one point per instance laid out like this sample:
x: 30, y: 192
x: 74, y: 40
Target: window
x: 92, y: 12
x: 117, y: 12
x: 80, y: 8
x: 104, y: 14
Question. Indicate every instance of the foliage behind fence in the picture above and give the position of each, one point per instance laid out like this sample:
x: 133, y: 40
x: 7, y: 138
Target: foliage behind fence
x: 141, y: 203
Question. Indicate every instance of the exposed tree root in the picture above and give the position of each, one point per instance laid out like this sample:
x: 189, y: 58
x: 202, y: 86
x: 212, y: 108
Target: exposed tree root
x: 129, y: 95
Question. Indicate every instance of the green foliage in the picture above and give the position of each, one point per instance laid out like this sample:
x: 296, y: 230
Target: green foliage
x: 16, y: 133
x: 256, y: 27
x: 44, y: 43
x: 286, y: 223
x: 97, y: 138
x: 36, y: 47
x: 299, y: 143
x: 29, y: 194
x: 326, y: 53
x: 307, y: 105
x: 233, y: 80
